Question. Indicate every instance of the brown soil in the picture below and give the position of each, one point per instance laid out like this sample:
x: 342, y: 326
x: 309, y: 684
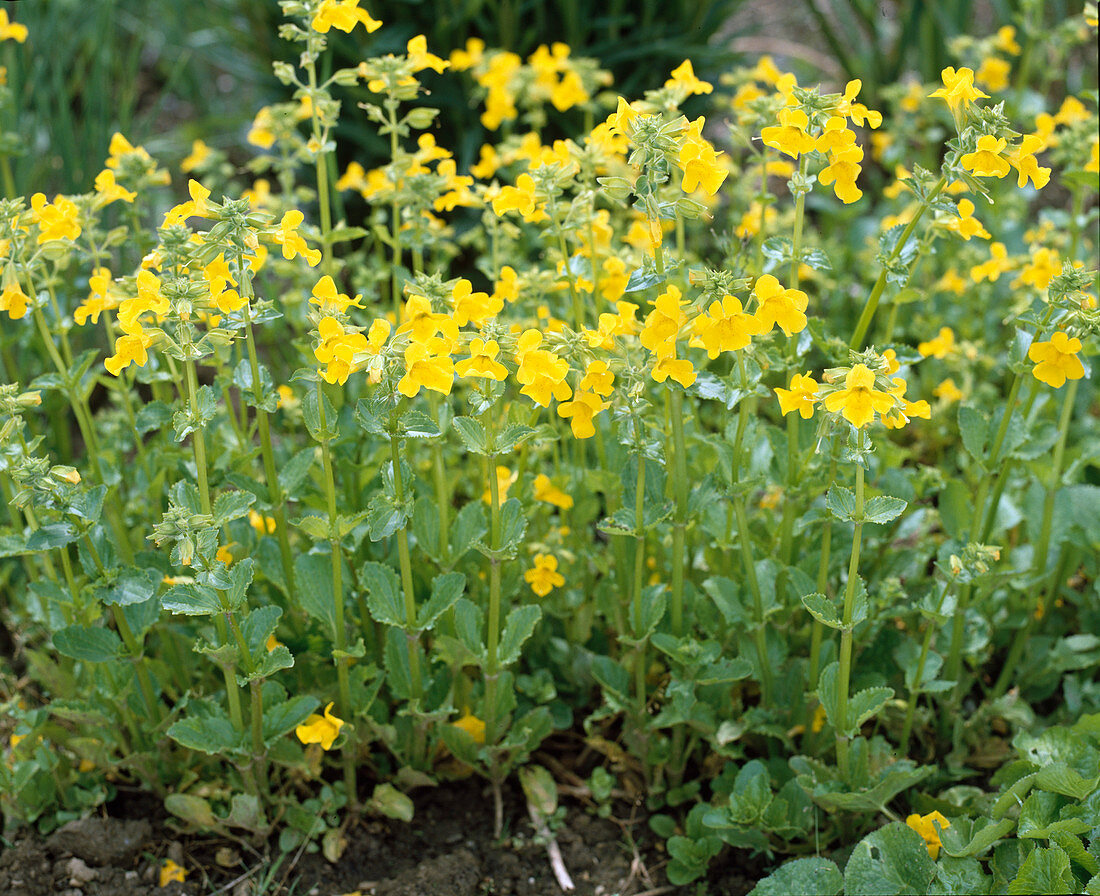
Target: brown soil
x: 447, y: 850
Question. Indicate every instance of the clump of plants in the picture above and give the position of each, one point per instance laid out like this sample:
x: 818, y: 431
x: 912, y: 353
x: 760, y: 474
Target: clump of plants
x: 757, y: 448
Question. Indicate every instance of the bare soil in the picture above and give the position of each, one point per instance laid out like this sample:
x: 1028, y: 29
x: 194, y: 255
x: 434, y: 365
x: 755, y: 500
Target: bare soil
x: 447, y: 850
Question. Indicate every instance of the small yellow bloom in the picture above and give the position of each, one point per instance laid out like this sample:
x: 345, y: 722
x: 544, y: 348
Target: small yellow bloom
x: 993, y: 73
x: 14, y: 301
x: 819, y: 720
x: 544, y: 577
x: 200, y: 152
x: 10, y: 30
x: 329, y: 300
x: 940, y: 346
x: 948, y: 391
x: 1056, y: 360
x: 800, y: 397
x: 986, y: 160
x: 683, y: 76
x: 129, y: 349
x: 264, y: 525
x: 170, y: 872
x: 545, y: 490
x: 107, y: 187
x: 584, y: 407
x: 417, y: 50
x: 286, y: 235
x: 858, y: 401
x: 785, y: 307
x: 472, y: 725
x: 320, y: 729
x: 343, y: 15
x: 958, y: 89
x: 482, y: 362
x: 925, y: 826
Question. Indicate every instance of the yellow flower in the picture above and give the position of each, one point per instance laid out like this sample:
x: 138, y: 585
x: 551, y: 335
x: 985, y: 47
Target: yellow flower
x: 725, y: 327
x: 545, y: 490
x: 663, y: 323
x: 568, y: 92
x: 799, y: 397
x: 925, y: 826
x: 224, y: 555
x: 940, y: 346
x: 200, y: 152
x: 1006, y: 40
x: 680, y: 370
x: 986, y: 160
x: 581, y: 412
x: 623, y: 119
x: 129, y: 349
x: 699, y: 162
x: 329, y: 300
x: 59, y: 221
x: 1056, y: 360
x: 993, y: 73
x: 264, y: 525
x: 417, y: 50
x: 506, y: 478
x: 789, y: 136
x: 785, y: 307
x: 320, y: 729
x: 958, y: 89
x: 683, y: 76
x: 541, y: 372
x: 820, y: 717
x: 13, y: 300
x: 1045, y: 266
x: 992, y: 269
x: 966, y: 225
x: 472, y: 725
x: 520, y: 198
x: 482, y: 362
x: 170, y: 872
x: 10, y: 30
x: 842, y: 171
x: 286, y: 235
x: 948, y: 391
x: 461, y: 60
x: 473, y: 307
x: 858, y: 401
x: 343, y: 15
x: 107, y: 187
x: 544, y: 577
x: 1022, y: 158
x: 427, y: 365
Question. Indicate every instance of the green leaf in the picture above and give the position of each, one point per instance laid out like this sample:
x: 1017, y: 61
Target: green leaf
x: 316, y: 527
x: 1060, y: 778
x: 891, y: 861
x: 398, y: 666
x: 864, y: 704
x: 133, y: 586
x: 259, y: 625
x: 389, y: 801
x: 882, y: 509
x: 384, y: 598
x: 153, y: 415
x: 1045, y: 871
x: 520, y: 624
x: 960, y: 876
x: 472, y: 434
x: 192, y: 809
x: 209, y: 734
x: 823, y: 610
x: 827, y: 691
x: 841, y: 503
x: 418, y: 425
x: 52, y: 535
x: 313, y: 573
x: 229, y: 506
x: 385, y: 516
x: 974, y: 429
x: 191, y: 599
x: 240, y: 577
x: 295, y: 471
x: 513, y: 435
x: 983, y: 836
x: 312, y: 411
x: 81, y: 642
x: 469, y: 528
x: 807, y: 877
x: 446, y: 589
x: 513, y: 525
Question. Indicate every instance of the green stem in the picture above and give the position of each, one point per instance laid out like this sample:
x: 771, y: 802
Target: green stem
x: 845, y: 670
x: 679, y: 525
x: 918, y: 679
x: 492, y: 664
x: 869, y: 309
x: 339, y: 633
x: 406, y: 575
x: 639, y: 583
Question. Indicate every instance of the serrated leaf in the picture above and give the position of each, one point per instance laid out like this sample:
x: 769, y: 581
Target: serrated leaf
x: 295, y: 471
x: 814, y: 876
x: 229, y: 506
x: 418, y: 425
x: 518, y: 628
x: 384, y: 598
x: 313, y: 573
x: 192, y: 809
x: 883, y: 508
x: 841, y: 503
x: 864, y: 704
x: 446, y: 590
x: 316, y: 527
x: 472, y: 434
x: 891, y: 861
x: 974, y: 430
x: 214, y: 735
x: 1044, y: 871
x: 87, y: 643
x: 822, y: 609
x: 191, y: 599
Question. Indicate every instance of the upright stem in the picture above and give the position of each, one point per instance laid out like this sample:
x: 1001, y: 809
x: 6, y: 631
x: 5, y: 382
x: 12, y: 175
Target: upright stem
x: 680, y: 513
x: 845, y: 671
x: 918, y: 679
x: 339, y: 635
x: 869, y: 309
x: 406, y: 575
x: 492, y: 664
x: 639, y: 582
